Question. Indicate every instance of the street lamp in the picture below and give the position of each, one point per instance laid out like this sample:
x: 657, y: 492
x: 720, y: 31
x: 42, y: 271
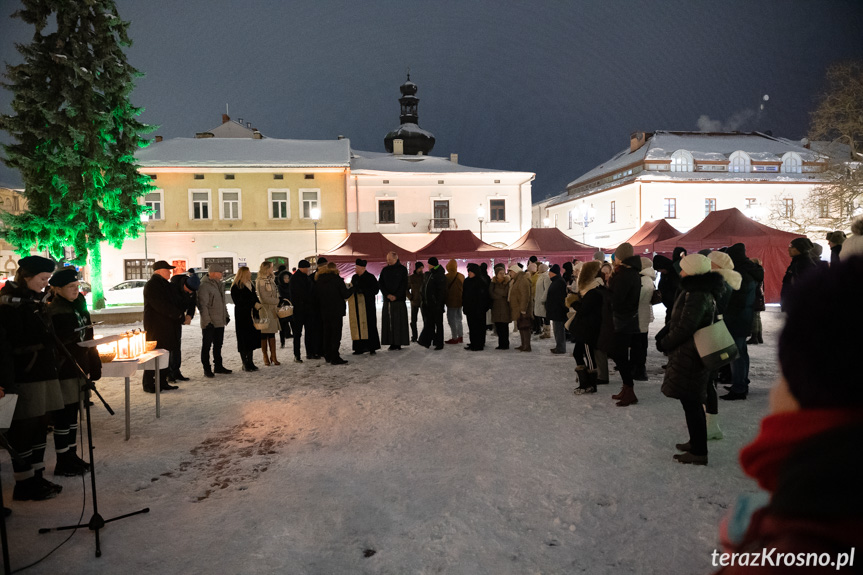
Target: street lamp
x: 145, y: 217
x: 480, y: 215
x: 586, y: 215
x: 316, y: 216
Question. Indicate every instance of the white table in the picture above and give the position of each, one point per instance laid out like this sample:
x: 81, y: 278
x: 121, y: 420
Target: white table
x: 125, y: 368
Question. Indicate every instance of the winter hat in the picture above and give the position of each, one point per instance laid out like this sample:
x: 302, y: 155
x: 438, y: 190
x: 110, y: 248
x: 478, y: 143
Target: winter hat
x: 646, y: 263
x: 705, y: 252
x: 515, y: 269
x: 567, y: 266
x: 64, y: 277
x: 215, y: 269
x: 37, y: 264
x: 282, y: 268
x: 361, y: 262
x: 722, y: 260
x: 193, y: 282
x: 472, y: 267
x: 802, y: 245
x: 542, y: 268
x: 737, y: 252
x: 418, y: 265
x: 823, y: 303
x: 484, y: 267
x: 321, y: 261
x: 695, y: 264
x: 662, y: 263
x: 532, y: 259
x: 304, y: 264
x: 817, y: 250
x: 837, y: 237
x: 499, y: 267
x: 678, y: 253
x: 163, y: 265
x: 433, y: 261
x: 623, y: 251
x: 531, y: 267
x: 599, y: 256
x: 555, y: 269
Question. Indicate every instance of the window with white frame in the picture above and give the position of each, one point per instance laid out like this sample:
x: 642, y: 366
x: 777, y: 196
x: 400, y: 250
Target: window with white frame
x: 497, y: 210
x: 791, y: 163
x: 280, y: 207
x: 309, y: 200
x: 823, y: 208
x: 709, y: 205
x: 229, y: 205
x: 681, y: 161
x: 739, y: 162
x: 669, y: 207
x: 613, y: 212
x: 386, y: 211
x: 788, y: 207
x: 199, y: 204
x: 153, y: 200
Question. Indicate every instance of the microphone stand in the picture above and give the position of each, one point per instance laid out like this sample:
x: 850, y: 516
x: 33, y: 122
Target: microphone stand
x: 96, y: 521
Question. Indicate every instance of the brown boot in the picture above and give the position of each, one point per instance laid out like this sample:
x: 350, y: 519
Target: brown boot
x: 264, y: 351
x: 273, y: 359
x: 619, y: 394
x: 525, y: 340
x: 628, y: 397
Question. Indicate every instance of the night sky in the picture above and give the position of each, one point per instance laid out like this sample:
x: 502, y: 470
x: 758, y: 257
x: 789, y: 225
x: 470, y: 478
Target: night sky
x: 548, y: 87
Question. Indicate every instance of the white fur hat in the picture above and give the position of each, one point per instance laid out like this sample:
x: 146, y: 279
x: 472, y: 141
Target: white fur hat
x: 722, y: 260
x: 695, y: 264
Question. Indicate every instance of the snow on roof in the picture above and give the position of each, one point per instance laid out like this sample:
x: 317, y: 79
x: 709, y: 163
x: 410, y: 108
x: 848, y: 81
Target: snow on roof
x: 386, y: 162
x: 232, y: 129
x: 704, y: 146
x: 243, y: 152
x: 836, y: 150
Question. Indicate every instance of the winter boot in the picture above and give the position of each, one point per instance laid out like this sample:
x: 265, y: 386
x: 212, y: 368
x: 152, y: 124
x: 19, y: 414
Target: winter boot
x: 713, y: 431
x: 31, y: 489
x: 219, y: 368
x: 525, y: 340
x: 691, y: 458
x: 546, y: 332
x: 586, y: 381
x: 208, y: 373
x: 39, y: 478
x: 639, y: 373
x: 628, y: 397
x: 683, y: 446
x: 273, y: 352
x: 70, y: 465
x: 619, y: 394
x: 264, y: 351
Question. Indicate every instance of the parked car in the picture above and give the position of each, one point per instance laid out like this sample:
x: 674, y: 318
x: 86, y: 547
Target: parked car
x: 129, y: 292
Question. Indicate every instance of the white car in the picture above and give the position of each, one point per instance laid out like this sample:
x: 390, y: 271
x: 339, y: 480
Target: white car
x: 129, y: 292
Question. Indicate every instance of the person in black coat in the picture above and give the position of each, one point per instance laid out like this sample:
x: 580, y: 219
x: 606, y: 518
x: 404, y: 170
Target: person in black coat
x: 33, y: 376
x: 331, y: 293
x: 245, y: 299
x: 669, y: 280
x: 303, y: 298
x: 163, y: 312
x: 834, y: 242
x: 475, y: 303
x: 801, y: 264
x: 72, y: 325
x: 283, y: 284
x: 365, y: 284
x: 185, y: 287
x: 587, y: 325
x: 625, y: 287
x: 393, y: 282
x: 555, y: 309
x: 433, y: 299
x: 738, y: 317
x: 686, y: 376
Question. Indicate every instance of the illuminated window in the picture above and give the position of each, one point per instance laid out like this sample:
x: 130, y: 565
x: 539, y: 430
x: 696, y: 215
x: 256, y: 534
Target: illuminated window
x: 310, y: 200
x: 681, y: 161
x: 280, y: 208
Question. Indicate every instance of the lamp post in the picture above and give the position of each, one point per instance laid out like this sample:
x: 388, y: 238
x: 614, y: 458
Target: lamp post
x: 586, y: 215
x: 480, y: 215
x: 145, y: 217
x: 316, y: 216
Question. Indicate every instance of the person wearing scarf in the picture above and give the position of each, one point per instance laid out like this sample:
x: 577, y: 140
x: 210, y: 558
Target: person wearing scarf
x: 805, y: 455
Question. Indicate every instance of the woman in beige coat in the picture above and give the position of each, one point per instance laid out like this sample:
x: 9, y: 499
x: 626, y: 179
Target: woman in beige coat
x: 519, y: 305
x: 268, y: 295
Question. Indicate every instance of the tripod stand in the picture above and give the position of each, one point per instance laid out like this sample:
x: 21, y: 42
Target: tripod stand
x: 96, y: 521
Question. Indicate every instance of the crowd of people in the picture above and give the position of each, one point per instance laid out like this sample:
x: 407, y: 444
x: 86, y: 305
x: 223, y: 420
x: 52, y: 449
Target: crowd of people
x: 603, y: 309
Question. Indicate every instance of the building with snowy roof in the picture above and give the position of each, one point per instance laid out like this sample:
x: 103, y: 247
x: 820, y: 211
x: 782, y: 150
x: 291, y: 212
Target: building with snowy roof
x: 682, y: 176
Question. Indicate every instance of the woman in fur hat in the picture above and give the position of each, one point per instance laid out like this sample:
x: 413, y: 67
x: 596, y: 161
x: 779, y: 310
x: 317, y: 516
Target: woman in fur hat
x: 686, y: 377
x: 587, y: 324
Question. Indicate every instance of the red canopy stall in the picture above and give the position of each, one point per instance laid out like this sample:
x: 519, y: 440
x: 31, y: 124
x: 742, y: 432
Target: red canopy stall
x: 550, y: 244
x: 461, y: 245
x: 643, y: 241
x: 370, y: 246
x: 727, y: 227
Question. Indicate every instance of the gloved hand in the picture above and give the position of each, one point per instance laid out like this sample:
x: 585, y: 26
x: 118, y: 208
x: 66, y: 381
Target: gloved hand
x: 210, y: 326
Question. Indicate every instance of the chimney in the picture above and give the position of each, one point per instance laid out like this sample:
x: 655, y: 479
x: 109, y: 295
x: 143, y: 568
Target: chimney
x: 636, y: 140
x: 340, y: 137
x: 398, y: 147
x: 257, y: 135
x: 158, y: 138
x: 225, y: 118
x: 453, y: 158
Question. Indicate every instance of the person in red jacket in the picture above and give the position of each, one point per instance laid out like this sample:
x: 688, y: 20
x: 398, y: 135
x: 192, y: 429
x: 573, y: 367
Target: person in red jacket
x: 805, y: 455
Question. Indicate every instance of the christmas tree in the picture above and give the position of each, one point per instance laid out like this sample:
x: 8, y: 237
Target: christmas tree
x: 75, y: 134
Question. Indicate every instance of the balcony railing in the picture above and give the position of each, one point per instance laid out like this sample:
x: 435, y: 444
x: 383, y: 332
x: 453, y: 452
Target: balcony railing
x: 438, y: 224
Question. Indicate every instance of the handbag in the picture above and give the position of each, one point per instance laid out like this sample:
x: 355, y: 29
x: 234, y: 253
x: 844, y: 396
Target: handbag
x: 715, y: 344
x: 524, y: 321
x: 261, y: 321
x: 285, y: 309
x: 656, y: 297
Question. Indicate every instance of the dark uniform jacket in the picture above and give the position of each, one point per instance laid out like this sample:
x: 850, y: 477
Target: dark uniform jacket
x: 475, y: 299
x: 301, y: 294
x: 244, y: 298
x: 68, y: 318
x: 163, y: 312
x: 394, y: 281
x: 331, y: 293
x: 30, y: 342
x: 741, y: 306
x: 187, y: 299
x: 800, y: 265
x: 434, y: 289
x: 625, y: 286
x: 555, y: 301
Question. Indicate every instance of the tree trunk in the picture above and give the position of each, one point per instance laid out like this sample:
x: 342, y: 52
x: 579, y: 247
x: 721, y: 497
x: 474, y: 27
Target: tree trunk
x: 98, y: 292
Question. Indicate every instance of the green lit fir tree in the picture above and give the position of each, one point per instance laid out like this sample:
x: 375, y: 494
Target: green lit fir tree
x: 75, y: 134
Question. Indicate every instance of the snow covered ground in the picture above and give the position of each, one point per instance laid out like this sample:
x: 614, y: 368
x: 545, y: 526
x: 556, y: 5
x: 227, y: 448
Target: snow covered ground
x: 417, y: 461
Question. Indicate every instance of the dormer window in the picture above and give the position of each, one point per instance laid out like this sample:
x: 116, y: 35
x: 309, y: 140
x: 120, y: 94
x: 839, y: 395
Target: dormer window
x: 681, y: 161
x: 791, y: 163
x: 739, y: 162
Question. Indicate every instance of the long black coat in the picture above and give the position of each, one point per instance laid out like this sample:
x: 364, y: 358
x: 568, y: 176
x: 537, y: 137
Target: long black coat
x: 31, y: 344
x: 331, y: 293
x: 625, y: 286
x: 741, y: 306
x: 68, y: 317
x: 302, y: 294
x: 475, y: 299
x: 163, y: 312
x: 555, y: 301
x: 799, y: 266
x: 248, y: 338
x: 434, y: 289
x: 394, y: 281
x: 283, y: 284
x: 685, y: 375
x: 189, y: 300
x: 587, y: 323
x: 367, y: 285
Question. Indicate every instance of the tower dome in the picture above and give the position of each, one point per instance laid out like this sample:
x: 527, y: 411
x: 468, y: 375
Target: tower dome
x: 416, y: 140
